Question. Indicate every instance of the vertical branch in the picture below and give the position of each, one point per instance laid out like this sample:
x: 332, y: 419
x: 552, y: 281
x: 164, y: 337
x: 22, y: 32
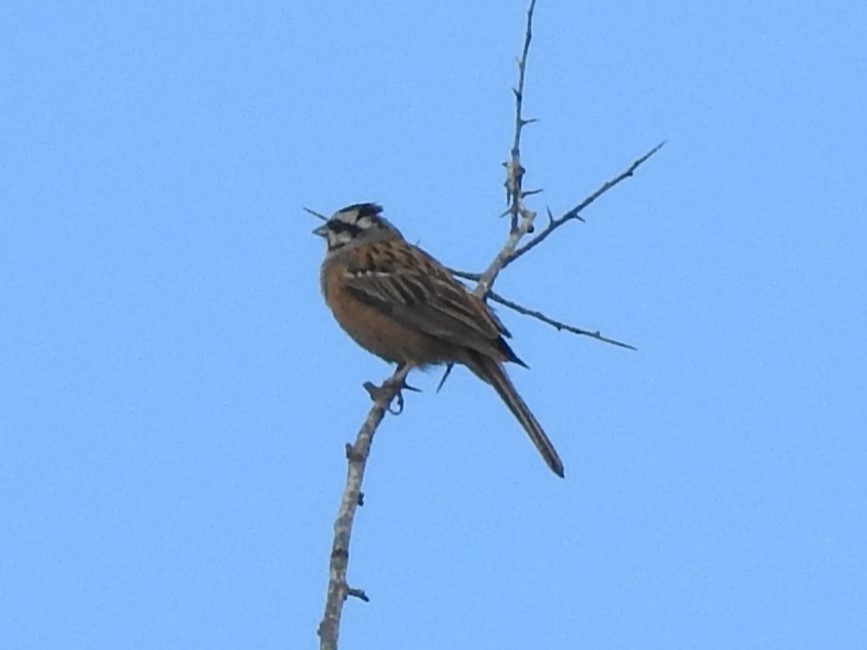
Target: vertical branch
x: 521, y: 218
x: 357, y: 454
x: 514, y: 169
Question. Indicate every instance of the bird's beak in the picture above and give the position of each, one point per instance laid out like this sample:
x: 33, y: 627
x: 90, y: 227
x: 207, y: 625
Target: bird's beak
x: 321, y: 231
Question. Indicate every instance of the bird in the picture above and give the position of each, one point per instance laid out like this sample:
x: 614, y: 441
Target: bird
x: 398, y: 302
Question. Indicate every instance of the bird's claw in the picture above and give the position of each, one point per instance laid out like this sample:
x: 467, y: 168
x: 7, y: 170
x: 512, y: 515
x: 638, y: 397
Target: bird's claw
x: 386, y: 390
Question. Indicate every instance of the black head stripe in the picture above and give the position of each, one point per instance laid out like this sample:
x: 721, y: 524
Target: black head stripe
x: 353, y: 221
x: 338, y: 226
x: 363, y: 209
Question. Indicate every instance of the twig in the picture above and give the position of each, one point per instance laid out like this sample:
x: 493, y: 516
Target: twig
x: 514, y: 177
x: 574, y: 213
x: 357, y: 454
x: 559, y: 325
x: 514, y: 169
x: 487, y: 278
x: 526, y: 311
x: 510, y: 251
x: 466, y: 275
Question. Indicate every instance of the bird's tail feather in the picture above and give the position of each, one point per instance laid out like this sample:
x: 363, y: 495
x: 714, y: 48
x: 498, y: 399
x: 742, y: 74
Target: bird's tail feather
x: 493, y: 372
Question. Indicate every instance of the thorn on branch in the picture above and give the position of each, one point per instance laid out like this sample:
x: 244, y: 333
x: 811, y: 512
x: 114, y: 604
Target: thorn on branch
x: 575, y: 213
x: 514, y: 172
x: 357, y: 593
x: 445, y: 376
x: 352, y: 454
x: 559, y: 325
x: 340, y: 553
x: 373, y: 390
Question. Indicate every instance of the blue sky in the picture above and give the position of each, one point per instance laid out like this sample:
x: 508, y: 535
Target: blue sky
x: 174, y: 397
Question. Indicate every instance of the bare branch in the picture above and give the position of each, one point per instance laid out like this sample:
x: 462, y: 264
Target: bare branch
x: 526, y: 311
x: 521, y: 218
x: 574, y: 213
x: 559, y: 325
x: 521, y: 224
x: 357, y: 454
x: 515, y: 171
x: 466, y: 275
x: 487, y: 278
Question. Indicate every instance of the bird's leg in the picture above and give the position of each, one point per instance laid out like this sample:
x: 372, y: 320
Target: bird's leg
x: 388, y: 386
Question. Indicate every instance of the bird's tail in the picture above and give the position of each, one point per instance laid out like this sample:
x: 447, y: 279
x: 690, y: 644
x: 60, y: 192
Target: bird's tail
x: 493, y: 372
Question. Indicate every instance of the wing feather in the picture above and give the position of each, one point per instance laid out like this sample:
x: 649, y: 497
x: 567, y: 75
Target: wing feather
x: 420, y: 293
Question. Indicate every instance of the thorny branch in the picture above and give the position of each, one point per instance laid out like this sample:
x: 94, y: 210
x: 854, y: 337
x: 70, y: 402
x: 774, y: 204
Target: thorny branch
x: 521, y: 224
x: 575, y: 213
x: 493, y: 296
x: 521, y: 218
x: 510, y: 252
x: 559, y: 325
x: 514, y: 169
x: 357, y: 454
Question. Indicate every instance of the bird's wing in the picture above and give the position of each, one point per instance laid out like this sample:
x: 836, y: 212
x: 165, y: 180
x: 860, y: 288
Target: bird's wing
x: 410, y: 286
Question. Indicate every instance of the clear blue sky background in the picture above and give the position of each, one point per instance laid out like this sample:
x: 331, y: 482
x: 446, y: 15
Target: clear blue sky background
x: 174, y: 397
